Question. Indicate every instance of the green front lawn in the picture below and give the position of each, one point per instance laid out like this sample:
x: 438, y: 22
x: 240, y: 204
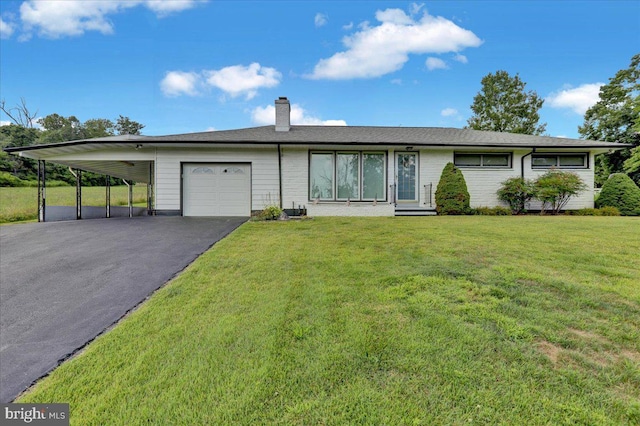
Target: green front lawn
x: 439, y: 320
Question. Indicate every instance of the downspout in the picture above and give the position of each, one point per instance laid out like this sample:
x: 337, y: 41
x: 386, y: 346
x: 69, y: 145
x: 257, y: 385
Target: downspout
x: 280, y: 174
x: 522, y: 162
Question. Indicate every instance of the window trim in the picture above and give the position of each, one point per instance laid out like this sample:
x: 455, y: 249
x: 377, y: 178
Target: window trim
x: 585, y: 155
x: 482, y: 165
x: 360, y: 153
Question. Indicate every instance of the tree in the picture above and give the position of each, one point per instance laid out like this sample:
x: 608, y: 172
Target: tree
x: 616, y: 118
x: 15, y: 135
x: 632, y: 164
x: 452, y: 196
x: 555, y: 188
x: 20, y: 114
x: 126, y: 126
x: 502, y: 105
x: 58, y: 128
x: 97, y: 128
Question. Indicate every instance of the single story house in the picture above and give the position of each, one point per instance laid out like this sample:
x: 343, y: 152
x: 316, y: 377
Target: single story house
x: 329, y: 170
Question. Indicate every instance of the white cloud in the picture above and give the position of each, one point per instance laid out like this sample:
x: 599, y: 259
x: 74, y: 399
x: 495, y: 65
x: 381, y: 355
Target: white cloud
x: 320, y: 20
x: 578, y: 99
x: 163, y: 8
x: 397, y: 81
x: 379, y: 50
x: 4, y: 123
x: 394, y: 16
x: 449, y: 112
x: 348, y: 27
x: 176, y: 83
x: 267, y: 115
x: 415, y: 8
x: 461, y: 58
x: 435, y: 64
x: 55, y: 19
x: 6, y: 28
x: 238, y: 80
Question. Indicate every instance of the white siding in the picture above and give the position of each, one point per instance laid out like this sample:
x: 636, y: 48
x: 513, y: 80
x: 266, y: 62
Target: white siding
x: 583, y: 200
x: 264, y: 173
x: 295, y: 177
x: 482, y: 183
x: 431, y: 164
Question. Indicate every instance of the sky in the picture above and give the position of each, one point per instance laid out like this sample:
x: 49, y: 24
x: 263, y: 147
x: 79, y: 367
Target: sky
x: 180, y: 66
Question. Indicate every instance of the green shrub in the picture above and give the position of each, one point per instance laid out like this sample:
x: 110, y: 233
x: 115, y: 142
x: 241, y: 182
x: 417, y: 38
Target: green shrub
x: 583, y: 212
x: 491, y: 211
x: 7, y: 179
x: 517, y: 192
x: 452, y: 196
x: 609, y: 211
x: 604, y: 211
x: 621, y: 192
x: 555, y: 188
x: 271, y: 212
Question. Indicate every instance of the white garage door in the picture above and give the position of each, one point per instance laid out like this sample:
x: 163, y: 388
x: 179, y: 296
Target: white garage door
x: 216, y: 189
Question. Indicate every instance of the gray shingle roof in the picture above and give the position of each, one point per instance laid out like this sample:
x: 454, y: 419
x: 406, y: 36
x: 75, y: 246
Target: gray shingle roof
x: 349, y: 135
x: 371, y: 135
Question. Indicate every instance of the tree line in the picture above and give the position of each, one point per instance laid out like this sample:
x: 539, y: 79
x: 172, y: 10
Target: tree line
x: 22, y: 131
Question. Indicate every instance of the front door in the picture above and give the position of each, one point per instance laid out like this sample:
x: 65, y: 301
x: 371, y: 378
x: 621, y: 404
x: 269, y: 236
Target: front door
x: 407, y: 177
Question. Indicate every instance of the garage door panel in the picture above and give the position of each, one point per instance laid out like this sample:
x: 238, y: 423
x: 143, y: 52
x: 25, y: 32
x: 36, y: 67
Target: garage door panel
x: 216, y: 189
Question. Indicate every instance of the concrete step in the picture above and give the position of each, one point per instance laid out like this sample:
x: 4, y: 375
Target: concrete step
x: 414, y: 211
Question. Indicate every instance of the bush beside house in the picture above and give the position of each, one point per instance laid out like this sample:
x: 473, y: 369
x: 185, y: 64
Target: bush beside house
x: 517, y: 192
x: 555, y: 188
x: 452, y: 196
x: 621, y: 192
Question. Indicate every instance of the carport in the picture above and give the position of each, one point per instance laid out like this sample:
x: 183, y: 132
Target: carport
x: 137, y: 167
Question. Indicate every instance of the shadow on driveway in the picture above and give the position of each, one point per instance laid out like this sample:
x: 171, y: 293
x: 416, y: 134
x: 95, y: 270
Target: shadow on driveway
x: 63, y: 283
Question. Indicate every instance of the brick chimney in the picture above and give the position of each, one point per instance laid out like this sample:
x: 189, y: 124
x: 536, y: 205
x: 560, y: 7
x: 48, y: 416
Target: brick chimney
x: 283, y: 110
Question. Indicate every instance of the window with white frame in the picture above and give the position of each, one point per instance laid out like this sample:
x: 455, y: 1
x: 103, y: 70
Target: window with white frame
x: 559, y: 160
x: 473, y: 159
x: 346, y: 175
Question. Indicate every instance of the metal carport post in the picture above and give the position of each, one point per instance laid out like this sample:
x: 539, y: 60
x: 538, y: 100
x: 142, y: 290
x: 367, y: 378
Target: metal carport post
x: 42, y: 186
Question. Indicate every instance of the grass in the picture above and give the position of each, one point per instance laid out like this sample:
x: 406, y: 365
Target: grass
x: 442, y: 320
x: 20, y: 204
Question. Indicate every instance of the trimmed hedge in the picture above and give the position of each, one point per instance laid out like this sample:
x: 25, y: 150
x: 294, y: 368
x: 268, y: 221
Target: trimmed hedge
x: 621, y: 192
x: 603, y: 211
x: 452, y: 196
x: 492, y: 211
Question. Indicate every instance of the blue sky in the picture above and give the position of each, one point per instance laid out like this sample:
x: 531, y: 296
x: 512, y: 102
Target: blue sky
x: 188, y: 66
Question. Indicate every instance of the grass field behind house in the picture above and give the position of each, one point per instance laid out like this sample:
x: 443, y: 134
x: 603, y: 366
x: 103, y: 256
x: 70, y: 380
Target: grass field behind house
x: 18, y: 204
x: 417, y: 321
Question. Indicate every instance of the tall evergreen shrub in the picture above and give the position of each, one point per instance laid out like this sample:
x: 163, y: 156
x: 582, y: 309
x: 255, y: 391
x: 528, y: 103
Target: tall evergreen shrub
x: 452, y: 196
x: 621, y: 192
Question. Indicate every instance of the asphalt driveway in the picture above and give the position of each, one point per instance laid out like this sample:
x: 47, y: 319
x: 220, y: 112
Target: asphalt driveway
x: 63, y: 283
